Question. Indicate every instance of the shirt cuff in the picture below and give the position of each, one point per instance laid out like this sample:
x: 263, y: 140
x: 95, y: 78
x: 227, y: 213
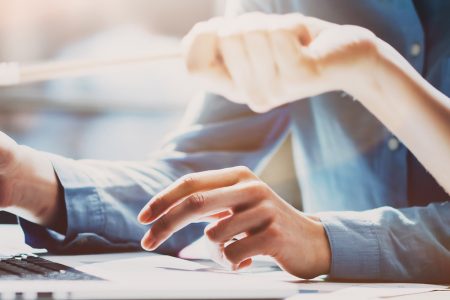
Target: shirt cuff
x: 85, y: 212
x: 354, y: 243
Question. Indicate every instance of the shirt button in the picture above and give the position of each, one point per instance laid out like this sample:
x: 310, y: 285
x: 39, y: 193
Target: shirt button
x: 415, y: 49
x: 393, y: 144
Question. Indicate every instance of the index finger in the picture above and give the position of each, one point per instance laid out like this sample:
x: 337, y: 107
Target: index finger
x: 188, y: 185
x: 203, y: 57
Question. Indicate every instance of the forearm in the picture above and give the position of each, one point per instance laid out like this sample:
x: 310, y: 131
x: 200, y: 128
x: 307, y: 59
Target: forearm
x: 410, y: 107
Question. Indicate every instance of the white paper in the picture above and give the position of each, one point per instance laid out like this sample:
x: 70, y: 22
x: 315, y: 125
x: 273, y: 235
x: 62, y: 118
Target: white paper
x: 159, y: 274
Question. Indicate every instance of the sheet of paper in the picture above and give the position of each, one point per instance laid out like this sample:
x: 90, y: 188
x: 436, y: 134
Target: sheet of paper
x: 162, y: 273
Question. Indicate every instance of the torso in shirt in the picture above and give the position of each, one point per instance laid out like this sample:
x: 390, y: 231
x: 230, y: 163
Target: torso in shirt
x: 345, y: 158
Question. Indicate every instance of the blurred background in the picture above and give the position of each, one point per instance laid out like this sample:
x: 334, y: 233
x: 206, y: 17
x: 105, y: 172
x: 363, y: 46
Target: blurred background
x: 121, y: 114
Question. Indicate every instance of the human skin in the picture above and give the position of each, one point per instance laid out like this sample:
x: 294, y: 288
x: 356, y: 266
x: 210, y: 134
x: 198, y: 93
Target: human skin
x: 28, y: 184
x: 266, y: 61
x: 308, y: 57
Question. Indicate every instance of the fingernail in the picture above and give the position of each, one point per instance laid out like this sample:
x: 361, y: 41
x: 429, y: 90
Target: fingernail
x: 148, y: 242
x: 145, y: 215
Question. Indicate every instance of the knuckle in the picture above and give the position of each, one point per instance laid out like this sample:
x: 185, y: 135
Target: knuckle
x: 243, y: 171
x: 188, y: 182
x: 199, y: 28
x: 267, y: 211
x: 196, y: 201
x: 257, y: 189
x: 273, y: 230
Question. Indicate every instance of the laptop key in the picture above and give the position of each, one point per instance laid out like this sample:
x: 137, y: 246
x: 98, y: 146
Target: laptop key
x: 7, y: 275
x: 11, y: 269
x: 28, y: 266
x: 47, y: 264
x: 35, y: 268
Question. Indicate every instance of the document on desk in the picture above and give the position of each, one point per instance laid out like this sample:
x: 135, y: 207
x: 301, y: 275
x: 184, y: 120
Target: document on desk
x: 161, y: 273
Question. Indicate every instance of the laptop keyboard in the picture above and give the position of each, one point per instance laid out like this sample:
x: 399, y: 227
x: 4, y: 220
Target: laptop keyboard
x: 28, y: 267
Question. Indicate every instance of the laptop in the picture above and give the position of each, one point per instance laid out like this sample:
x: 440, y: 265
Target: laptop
x: 136, y: 275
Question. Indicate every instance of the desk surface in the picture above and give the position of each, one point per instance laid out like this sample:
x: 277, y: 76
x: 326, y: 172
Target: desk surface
x: 12, y: 242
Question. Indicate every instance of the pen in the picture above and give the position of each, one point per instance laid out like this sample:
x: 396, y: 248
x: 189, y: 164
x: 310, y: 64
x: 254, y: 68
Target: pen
x: 13, y: 73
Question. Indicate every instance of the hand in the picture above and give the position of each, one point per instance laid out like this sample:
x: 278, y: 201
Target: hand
x: 269, y: 60
x: 9, y: 165
x: 28, y: 184
x: 268, y: 224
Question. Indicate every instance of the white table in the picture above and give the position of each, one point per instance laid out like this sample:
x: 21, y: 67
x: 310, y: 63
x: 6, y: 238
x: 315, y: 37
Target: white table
x: 12, y: 242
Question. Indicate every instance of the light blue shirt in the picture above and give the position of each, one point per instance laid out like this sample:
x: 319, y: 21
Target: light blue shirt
x: 350, y: 168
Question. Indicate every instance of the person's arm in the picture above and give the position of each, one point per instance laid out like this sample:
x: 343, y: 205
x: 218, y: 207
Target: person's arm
x: 269, y: 60
x: 266, y: 61
x: 383, y: 244
x: 386, y: 244
x: 103, y: 198
x: 416, y: 112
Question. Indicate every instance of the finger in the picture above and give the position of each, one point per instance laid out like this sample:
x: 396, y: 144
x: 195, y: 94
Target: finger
x: 217, y: 216
x: 261, y: 58
x: 286, y: 50
x: 188, y: 185
x: 301, y: 27
x: 203, y: 58
x: 220, y: 215
x: 237, y: 62
x: 216, y: 254
x: 198, y: 205
x: 257, y: 244
x: 263, y: 66
x: 251, y: 220
x: 315, y: 26
x: 299, y: 69
x: 245, y: 264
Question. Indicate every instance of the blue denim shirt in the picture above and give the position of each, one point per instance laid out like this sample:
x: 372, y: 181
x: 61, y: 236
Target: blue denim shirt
x: 350, y: 168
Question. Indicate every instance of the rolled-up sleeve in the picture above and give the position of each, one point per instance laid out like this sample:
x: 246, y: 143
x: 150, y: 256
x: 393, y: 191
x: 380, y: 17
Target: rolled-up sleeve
x: 103, y: 198
x: 354, y: 245
x: 387, y: 244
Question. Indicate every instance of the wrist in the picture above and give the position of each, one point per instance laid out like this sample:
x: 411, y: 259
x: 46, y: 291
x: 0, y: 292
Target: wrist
x: 364, y: 75
x: 37, y: 193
